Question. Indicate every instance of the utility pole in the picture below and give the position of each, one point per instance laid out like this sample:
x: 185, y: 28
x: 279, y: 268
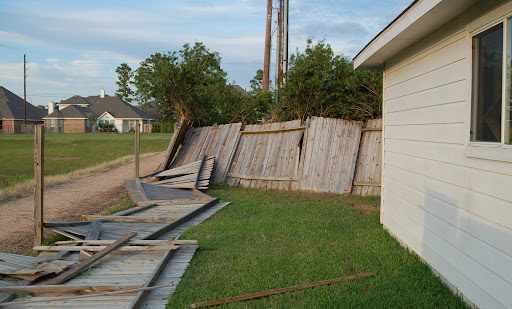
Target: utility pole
x: 268, y: 40
x: 282, y: 43
x: 284, y: 14
x: 278, y: 48
x: 25, y: 91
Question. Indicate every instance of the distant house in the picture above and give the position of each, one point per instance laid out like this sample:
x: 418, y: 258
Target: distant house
x: 12, y: 113
x: 447, y: 140
x: 94, y: 113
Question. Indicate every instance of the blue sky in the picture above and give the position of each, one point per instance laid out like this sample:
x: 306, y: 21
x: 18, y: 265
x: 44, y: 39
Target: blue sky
x: 73, y: 47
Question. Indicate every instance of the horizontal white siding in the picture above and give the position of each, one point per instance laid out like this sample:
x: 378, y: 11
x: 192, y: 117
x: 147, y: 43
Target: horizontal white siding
x: 452, y: 210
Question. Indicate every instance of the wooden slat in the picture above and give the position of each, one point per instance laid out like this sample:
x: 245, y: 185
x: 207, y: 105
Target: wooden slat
x: 93, y: 233
x: 137, y: 149
x: 39, y: 183
x: 185, y: 218
x: 369, y: 184
x: 98, y: 249
x: 130, y: 243
x: 129, y: 219
x: 59, y: 289
x: 279, y: 291
x: 141, y: 190
x: 141, y: 296
x: 176, y: 140
x: 264, y: 178
x: 76, y: 270
x: 173, y: 202
x: 302, y: 128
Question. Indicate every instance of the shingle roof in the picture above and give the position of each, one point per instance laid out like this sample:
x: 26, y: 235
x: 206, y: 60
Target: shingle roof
x: 116, y: 107
x: 74, y: 100
x: 97, y: 106
x: 11, y: 107
x: 72, y: 111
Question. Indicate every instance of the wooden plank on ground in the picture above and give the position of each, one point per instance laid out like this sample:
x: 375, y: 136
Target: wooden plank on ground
x: 60, y: 290
x: 76, y: 270
x: 98, y: 249
x: 141, y: 296
x: 130, y: 219
x: 279, y: 291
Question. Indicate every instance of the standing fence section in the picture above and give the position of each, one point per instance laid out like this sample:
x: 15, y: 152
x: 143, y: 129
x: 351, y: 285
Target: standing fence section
x: 268, y: 156
x: 369, y: 163
x: 329, y: 155
x: 218, y: 141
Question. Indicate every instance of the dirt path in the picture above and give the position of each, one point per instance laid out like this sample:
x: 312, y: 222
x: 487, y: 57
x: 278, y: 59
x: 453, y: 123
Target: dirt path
x: 67, y: 202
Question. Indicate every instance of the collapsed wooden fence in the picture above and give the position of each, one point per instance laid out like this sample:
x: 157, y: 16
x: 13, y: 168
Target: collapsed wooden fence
x: 318, y: 155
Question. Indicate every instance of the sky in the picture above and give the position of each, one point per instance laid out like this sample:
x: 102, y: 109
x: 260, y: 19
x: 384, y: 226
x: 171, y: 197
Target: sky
x: 74, y: 47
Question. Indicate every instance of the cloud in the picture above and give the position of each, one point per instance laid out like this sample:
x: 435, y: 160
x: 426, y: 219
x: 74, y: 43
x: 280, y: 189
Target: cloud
x: 76, y: 46
x: 332, y: 30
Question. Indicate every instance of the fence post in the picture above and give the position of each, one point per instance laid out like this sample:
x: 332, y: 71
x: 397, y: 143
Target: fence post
x: 137, y: 149
x: 39, y: 184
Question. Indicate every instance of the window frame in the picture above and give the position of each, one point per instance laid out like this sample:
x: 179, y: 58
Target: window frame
x: 497, y: 151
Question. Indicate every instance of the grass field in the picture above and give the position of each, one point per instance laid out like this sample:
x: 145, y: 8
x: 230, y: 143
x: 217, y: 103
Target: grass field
x: 270, y: 239
x: 68, y: 152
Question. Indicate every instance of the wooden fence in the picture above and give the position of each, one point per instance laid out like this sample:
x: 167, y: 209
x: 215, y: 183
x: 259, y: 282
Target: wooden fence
x: 369, y: 162
x: 218, y: 141
x: 268, y: 156
x: 319, y: 155
x: 329, y: 155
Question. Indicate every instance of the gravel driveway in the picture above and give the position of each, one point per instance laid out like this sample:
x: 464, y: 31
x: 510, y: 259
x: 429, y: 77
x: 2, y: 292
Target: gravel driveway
x: 67, y: 202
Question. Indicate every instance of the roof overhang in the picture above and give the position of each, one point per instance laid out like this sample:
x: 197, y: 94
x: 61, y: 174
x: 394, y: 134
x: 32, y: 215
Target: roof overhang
x: 415, y: 22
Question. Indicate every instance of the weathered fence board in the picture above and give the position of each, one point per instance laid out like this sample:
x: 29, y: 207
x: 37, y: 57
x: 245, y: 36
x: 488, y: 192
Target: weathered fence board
x: 218, y: 141
x: 267, y: 156
x: 369, y: 162
x: 329, y: 155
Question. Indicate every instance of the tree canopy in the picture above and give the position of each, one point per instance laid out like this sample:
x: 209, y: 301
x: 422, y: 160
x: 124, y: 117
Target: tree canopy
x: 319, y: 83
x: 190, y: 84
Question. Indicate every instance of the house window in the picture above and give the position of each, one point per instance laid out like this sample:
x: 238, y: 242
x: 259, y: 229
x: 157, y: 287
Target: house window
x: 492, y: 81
x: 52, y: 125
x: 61, y: 125
x: 1, y: 124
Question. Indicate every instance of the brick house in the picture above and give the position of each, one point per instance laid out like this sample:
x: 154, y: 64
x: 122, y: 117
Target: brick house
x: 88, y: 114
x: 12, y: 113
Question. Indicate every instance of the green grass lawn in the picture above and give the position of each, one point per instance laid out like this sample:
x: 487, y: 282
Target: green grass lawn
x: 271, y: 239
x: 68, y: 152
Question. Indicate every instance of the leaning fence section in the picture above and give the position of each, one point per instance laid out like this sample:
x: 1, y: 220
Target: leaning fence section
x: 268, y: 156
x: 217, y: 141
x: 329, y: 155
x: 369, y: 163
x: 318, y: 155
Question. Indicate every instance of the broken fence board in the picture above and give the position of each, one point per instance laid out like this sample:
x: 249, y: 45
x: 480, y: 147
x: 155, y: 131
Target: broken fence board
x: 76, y: 270
x: 279, y: 291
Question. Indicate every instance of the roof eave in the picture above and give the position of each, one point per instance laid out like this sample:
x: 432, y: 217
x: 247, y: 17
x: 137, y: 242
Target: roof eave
x: 415, y: 22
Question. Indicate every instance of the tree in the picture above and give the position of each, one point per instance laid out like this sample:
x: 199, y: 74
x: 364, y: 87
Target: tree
x: 187, y: 84
x: 124, y: 81
x: 318, y: 83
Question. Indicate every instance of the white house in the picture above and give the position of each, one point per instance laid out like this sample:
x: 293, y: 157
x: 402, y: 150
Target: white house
x: 447, y: 153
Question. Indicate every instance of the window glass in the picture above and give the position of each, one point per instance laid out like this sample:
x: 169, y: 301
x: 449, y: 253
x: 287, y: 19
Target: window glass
x: 1, y: 124
x: 60, y: 124
x: 508, y: 97
x: 487, y: 87
x: 52, y: 124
